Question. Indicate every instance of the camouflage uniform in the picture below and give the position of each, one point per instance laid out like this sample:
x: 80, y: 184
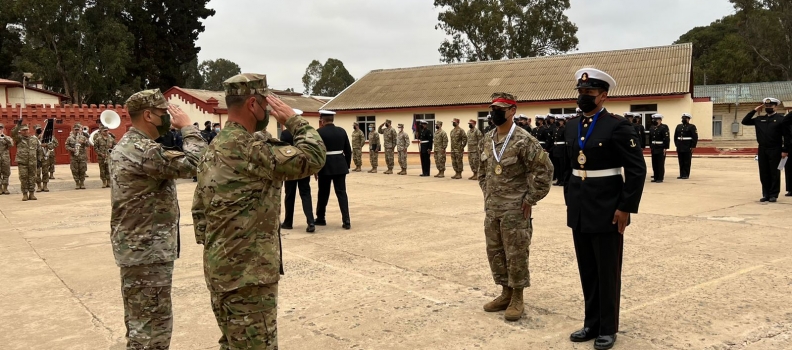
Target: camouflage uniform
x: 474, y: 137
x: 402, y: 143
x: 6, y: 142
x: 263, y: 135
x: 458, y: 142
x: 389, y: 141
x: 358, y: 140
x: 374, y: 148
x: 102, y: 146
x: 76, y: 144
x: 144, y: 223
x: 51, y: 147
x: 29, y: 154
x: 41, y: 164
x: 236, y: 208
x: 525, y: 176
x: 440, y: 144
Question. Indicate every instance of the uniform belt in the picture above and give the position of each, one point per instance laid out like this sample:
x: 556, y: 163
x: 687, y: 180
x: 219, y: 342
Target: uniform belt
x: 597, y: 173
x: 657, y: 142
x: 541, y: 142
x: 424, y: 141
x: 560, y: 143
x: 685, y: 138
x: 333, y: 153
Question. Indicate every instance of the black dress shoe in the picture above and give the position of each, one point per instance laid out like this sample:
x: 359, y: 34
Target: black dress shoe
x: 346, y: 226
x: 773, y: 199
x: 788, y: 194
x: 423, y: 175
x: 763, y: 199
x: 680, y: 177
x: 685, y: 177
x: 286, y: 227
x: 659, y: 181
x: 605, y: 342
x: 583, y: 334
x: 320, y: 222
x: 310, y: 228
x: 653, y: 180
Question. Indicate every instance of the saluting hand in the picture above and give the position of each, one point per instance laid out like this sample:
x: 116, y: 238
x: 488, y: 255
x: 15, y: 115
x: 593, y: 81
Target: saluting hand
x: 281, y: 111
x: 179, y: 118
x: 620, y: 219
x: 759, y: 109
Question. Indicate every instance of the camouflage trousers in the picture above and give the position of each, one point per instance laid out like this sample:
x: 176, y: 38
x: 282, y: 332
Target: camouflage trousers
x: 51, y: 164
x: 389, y: 159
x: 27, y: 177
x: 357, y: 156
x: 457, y: 161
x: 374, y: 158
x: 146, y: 290
x: 5, y: 169
x: 474, y: 158
x: 42, y: 177
x: 247, y: 317
x: 403, y: 158
x: 508, y: 236
x: 440, y: 159
x: 78, y: 169
x: 104, y: 168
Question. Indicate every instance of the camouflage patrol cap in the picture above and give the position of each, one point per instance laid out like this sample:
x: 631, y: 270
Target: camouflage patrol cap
x: 246, y: 84
x: 146, y: 99
x: 77, y: 126
x: 103, y: 128
x: 401, y: 125
x: 387, y: 121
x: 502, y: 99
x: 38, y: 126
x: 24, y: 127
x: 439, y: 123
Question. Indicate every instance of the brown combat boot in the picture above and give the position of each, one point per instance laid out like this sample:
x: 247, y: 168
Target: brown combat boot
x: 38, y: 186
x: 457, y: 175
x: 45, y: 189
x: 357, y: 169
x: 31, y: 196
x: 76, y: 184
x: 403, y: 172
x: 373, y: 170
x: 501, y: 302
x: 389, y: 171
x: 82, y: 184
x: 516, y: 307
x: 474, y: 177
x: 440, y: 174
x: 24, y: 196
x: 52, y: 175
x: 3, y: 189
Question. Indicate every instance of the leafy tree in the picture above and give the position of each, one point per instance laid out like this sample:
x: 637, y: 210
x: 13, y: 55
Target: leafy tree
x: 766, y: 26
x: 10, y: 37
x: 482, y: 30
x: 193, y: 74
x: 312, y: 75
x: 215, y: 72
x: 335, y: 78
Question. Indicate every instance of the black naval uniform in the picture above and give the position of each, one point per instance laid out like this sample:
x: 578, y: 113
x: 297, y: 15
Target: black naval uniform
x: 788, y: 142
x: 770, y: 131
x: 426, y: 148
x: 559, y: 155
x: 591, y: 205
x: 290, y: 193
x: 685, y: 139
x: 641, y: 131
x: 546, y: 137
x: 659, y: 142
x: 335, y: 170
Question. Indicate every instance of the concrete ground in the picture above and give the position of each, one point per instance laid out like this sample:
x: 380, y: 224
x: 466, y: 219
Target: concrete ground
x: 706, y: 266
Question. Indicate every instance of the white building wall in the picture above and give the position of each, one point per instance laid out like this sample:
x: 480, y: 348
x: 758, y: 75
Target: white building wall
x: 15, y: 95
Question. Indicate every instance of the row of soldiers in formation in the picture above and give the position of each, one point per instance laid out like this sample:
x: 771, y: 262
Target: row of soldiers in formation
x: 36, y: 158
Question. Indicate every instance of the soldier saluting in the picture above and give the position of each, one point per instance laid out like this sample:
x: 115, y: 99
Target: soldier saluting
x: 685, y: 139
x: 770, y: 130
x: 659, y: 141
x: 599, y: 202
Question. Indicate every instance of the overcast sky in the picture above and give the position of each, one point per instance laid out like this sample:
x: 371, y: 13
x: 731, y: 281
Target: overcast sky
x: 280, y: 38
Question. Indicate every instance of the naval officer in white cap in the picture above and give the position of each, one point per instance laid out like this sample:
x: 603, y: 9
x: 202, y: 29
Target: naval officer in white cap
x: 771, y: 127
x: 659, y: 142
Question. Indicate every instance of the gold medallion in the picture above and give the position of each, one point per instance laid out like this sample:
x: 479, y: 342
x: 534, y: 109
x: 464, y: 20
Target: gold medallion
x: 498, y: 169
x: 581, y: 158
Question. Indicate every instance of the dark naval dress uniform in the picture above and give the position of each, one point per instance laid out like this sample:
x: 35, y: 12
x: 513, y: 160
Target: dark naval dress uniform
x: 659, y: 142
x: 427, y: 141
x: 560, y: 154
x: 335, y: 170
x: 290, y: 194
x: 770, y: 130
x: 685, y: 139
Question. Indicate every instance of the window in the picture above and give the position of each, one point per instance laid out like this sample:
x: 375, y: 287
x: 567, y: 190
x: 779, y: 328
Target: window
x: 563, y: 110
x: 365, y: 122
x: 645, y: 111
x: 717, y: 126
x: 482, y: 120
x: 428, y: 117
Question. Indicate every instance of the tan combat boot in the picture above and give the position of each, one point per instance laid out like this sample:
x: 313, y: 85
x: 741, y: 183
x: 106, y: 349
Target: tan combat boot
x: 474, y: 177
x: 389, y: 171
x: 403, y: 172
x: 24, y: 196
x: 3, y: 189
x: 45, y: 189
x: 52, y: 175
x: 357, y: 169
x: 82, y: 184
x: 373, y: 170
x: 38, y: 186
x: 31, y: 196
x: 76, y: 184
x: 515, y: 310
x: 441, y: 174
x: 458, y: 175
x: 501, y: 302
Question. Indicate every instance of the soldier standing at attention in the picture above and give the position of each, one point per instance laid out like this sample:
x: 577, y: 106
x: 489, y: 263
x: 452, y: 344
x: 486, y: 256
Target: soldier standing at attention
x: 236, y: 207
x: 358, y: 140
x: 440, y: 145
x: 599, y: 202
x: 474, y: 137
x: 639, y: 128
x: 426, y: 147
x: 559, y: 152
x: 28, y: 154
x: 402, y: 143
x: 660, y: 141
x: 50, y: 149
x: 6, y: 142
x: 770, y: 130
x: 374, y: 148
x: 144, y: 220
x: 685, y: 139
x: 335, y: 169
x: 76, y: 144
x: 538, y: 131
x: 458, y: 142
x: 514, y: 174
x: 389, y: 141
x: 490, y: 126
x: 103, y: 144
x: 42, y: 175
x: 290, y: 188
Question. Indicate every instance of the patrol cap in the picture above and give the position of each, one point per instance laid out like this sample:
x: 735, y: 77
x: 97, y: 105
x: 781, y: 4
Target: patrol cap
x: 103, y: 128
x: 247, y: 84
x: 687, y: 115
x: 146, y: 99
x: 401, y: 125
x: 594, y: 78
x: 38, y: 126
x: 472, y: 121
x: 657, y: 116
x: 24, y: 127
x: 387, y: 121
x: 772, y: 101
x: 439, y: 122
x: 456, y: 120
x: 77, y: 126
x: 503, y: 99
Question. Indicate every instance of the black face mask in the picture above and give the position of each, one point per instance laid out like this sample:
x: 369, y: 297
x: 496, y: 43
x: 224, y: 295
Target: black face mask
x: 455, y: 124
x: 38, y: 132
x: 685, y: 121
x: 498, y: 117
x: 587, y: 103
x: 470, y: 126
x: 437, y: 127
x: 769, y: 111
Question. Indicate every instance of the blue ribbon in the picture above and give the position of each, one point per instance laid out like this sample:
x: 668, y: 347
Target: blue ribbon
x: 582, y: 143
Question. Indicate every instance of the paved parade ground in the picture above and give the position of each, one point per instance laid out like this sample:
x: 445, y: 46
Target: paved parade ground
x: 706, y: 266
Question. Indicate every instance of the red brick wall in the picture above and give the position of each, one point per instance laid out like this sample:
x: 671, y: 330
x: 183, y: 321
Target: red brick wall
x: 66, y: 116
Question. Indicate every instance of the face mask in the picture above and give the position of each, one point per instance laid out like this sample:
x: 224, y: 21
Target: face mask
x: 371, y: 129
x: 769, y: 111
x: 455, y: 124
x: 587, y: 103
x: 217, y: 129
x: 38, y: 132
x: 685, y: 121
x: 165, y: 124
x: 470, y: 126
x: 437, y: 127
x: 498, y: 117
x: 262, y: 124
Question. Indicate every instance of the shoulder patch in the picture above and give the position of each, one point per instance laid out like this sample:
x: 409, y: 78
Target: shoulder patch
x: 286, y: 152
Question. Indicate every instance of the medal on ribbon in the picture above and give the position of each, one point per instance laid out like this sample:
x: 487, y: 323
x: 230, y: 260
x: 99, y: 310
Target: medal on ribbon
x: 582, y: 142
x: 498, y: 167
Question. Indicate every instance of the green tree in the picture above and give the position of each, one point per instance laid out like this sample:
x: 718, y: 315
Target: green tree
x: 312, y: 75
x: 766, y: 26
x: 215, y: 72
x: 10, y: 37
x: 335, y: 78
x: 193, y: 73
x: 482, y: 30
